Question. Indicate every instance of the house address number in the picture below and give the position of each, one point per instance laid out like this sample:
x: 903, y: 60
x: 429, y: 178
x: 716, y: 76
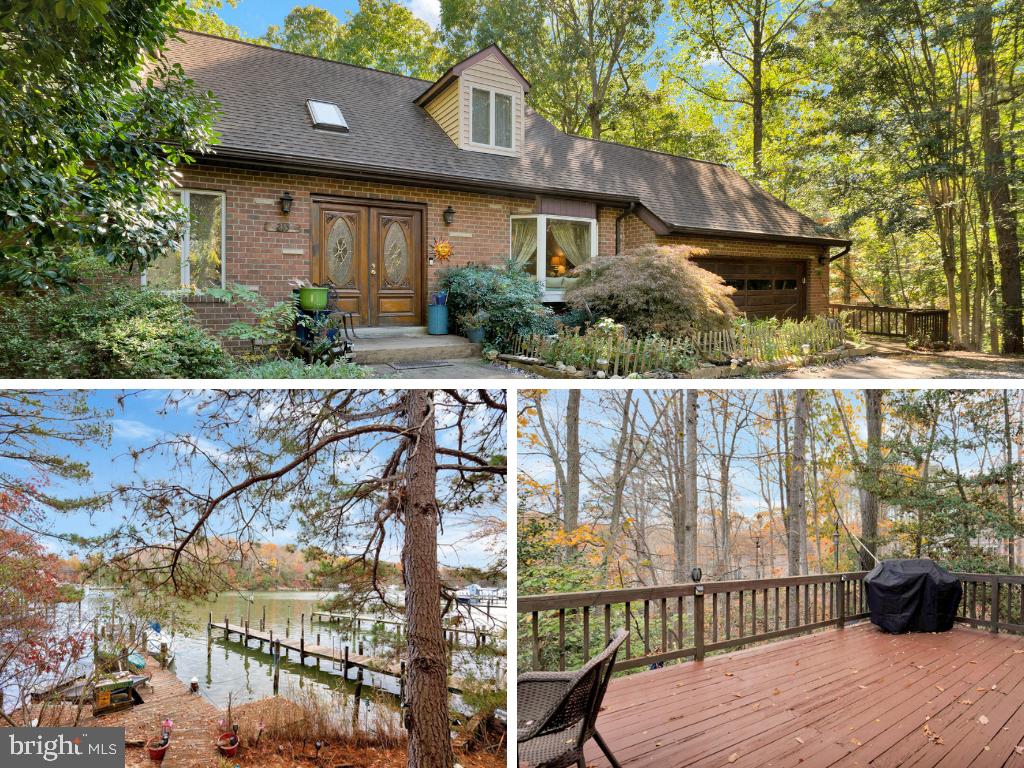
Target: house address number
x: 281, y: 226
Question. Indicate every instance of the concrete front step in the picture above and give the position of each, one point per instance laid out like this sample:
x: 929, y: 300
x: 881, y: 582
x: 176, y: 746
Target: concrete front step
x: 384, y: 331
x: 411, y: 348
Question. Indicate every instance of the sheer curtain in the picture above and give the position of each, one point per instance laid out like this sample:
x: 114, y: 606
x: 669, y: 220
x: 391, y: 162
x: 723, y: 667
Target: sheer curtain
x: 524, y: 244
x: 573, y: 237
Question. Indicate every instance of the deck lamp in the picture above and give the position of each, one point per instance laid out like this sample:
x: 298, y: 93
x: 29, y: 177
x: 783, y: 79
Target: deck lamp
x: 286, y: 202
x: 448, y: 215
x: 696, y: 574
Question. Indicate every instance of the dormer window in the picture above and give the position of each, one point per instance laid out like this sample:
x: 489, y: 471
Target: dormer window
x: 327, y: 116
x: 491, y: 118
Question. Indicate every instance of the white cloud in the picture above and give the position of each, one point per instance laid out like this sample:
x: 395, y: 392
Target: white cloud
x: 129, y: 429
x: 428, y: 10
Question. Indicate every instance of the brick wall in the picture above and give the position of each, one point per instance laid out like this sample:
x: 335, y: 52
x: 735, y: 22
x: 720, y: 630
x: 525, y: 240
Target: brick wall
x: 636, y: 233
x: 269, y: 260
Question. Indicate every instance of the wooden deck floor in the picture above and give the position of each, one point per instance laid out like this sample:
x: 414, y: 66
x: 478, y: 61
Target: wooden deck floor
x: 852, y: 697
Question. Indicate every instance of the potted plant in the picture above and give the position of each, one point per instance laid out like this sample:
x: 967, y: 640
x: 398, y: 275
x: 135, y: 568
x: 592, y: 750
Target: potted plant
x: 228, y: 742
x: 157, y: 746
x: 312, y: 298
x: 473, y: 324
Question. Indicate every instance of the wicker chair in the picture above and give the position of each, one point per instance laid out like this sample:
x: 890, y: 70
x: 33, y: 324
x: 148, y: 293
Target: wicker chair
x: 558, y: 712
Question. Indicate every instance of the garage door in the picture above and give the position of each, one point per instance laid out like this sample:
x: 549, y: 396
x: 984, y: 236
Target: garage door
x: 764, y: 287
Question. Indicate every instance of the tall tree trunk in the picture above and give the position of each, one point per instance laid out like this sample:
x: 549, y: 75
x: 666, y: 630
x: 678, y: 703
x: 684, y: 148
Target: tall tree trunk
x: 571, y: 490
x: 873, y: 464
x: 797, y: 534
x: 676, y: 430
x: 757, y: 100
x: 1011, y: 510
x: 691, y: 478
x: 426, y: 718
x: 1003, y: 216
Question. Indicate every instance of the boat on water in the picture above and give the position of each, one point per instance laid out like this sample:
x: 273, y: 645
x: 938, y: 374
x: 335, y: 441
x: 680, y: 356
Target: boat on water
x: 159, y: 641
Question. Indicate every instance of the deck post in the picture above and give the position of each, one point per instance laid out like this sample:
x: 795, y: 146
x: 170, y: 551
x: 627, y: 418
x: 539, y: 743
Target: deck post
x: 209, y: 625
x: 698, y: 622
x: 163, y: 655
x: 318, y: 638
x: 344, y: 669
x: 995, y: 605
x: 246, y: 641
x: 225, y: 626
x: 263, y: 620
x: 841, y: 591
x: 302, y: 651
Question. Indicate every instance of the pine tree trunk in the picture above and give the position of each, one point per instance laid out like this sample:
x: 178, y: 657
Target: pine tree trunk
x: 427, y: 690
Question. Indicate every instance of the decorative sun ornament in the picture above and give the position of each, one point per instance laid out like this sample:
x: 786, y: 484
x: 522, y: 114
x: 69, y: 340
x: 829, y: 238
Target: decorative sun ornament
x: 443, y: 249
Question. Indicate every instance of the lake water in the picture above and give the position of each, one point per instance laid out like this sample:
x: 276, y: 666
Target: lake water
x: 226, y: 668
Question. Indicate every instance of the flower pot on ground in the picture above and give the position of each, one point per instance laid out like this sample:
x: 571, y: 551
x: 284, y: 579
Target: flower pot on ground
x: 228, y: 744
x: 157, y: 748
x: 473, y: 324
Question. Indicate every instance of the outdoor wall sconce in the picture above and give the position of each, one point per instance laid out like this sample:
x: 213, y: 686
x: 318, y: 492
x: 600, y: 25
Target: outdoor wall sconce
x: 448, y: 215
x: 696, y: 574
x: 286, y: 202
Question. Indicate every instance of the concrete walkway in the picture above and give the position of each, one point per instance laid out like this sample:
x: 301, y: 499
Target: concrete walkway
x: 463, y: 368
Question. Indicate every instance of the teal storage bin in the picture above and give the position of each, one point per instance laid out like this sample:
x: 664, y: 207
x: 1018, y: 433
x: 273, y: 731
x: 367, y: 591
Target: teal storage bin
x: 437, y: 319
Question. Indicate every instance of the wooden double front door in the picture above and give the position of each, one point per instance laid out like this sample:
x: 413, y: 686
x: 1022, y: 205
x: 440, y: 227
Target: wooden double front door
x: 373, y: 255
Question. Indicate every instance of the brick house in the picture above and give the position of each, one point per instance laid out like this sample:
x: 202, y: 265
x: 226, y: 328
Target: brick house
x: 332, y: 172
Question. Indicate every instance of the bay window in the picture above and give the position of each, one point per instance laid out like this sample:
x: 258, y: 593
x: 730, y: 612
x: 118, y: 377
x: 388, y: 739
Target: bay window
x: 198, y: 259
x: 551, y: 247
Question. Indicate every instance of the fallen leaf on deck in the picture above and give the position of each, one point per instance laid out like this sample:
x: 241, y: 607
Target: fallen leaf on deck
x: 799, y: 739
x: 1019, y: 750
x: 862, y: 686
x: 728, y: 674
x: 965, y: 702
x: 734, y: 757
x: 941, y: 689
x: 776, y: 692
x: 982, y: 719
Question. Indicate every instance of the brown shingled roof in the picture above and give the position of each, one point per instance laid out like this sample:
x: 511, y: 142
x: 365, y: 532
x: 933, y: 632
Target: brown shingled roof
x: 263, y: 91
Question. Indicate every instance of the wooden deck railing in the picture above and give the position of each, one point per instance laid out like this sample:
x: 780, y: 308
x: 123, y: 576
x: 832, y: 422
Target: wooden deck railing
x: 682, y: 620
x: 922, y: 325
x: 992, y: 601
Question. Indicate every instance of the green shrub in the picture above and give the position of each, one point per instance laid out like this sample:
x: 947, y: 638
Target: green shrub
x: 297, y: 369
x: 509, y: 297
x: 107, y: 332
x: 653, y: 290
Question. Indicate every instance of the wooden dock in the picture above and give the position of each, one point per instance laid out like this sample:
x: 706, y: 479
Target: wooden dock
x: 453, y: 635
x: 340, y: 658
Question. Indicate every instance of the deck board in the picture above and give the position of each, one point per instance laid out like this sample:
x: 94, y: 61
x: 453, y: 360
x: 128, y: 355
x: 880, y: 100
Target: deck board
x: 852, y: 697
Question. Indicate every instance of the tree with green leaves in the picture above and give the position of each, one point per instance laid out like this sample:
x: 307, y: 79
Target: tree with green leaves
x: 741, y: 54
x: 95, y: 124
x: 382, y: 35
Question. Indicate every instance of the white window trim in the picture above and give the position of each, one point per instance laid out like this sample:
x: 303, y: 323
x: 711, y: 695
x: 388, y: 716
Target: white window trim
x: 512, y: 116
x: 183, y: 242
x: 554, y: 294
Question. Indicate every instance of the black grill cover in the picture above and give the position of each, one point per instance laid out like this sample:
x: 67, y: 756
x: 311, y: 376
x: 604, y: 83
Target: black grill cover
x: 912, y: 596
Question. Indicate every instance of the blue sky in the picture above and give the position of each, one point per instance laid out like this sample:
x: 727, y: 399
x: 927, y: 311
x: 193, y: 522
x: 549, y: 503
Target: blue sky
x: 136, y: 425
x: 254, y: 16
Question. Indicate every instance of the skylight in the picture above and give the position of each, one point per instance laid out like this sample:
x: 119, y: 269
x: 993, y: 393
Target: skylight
x: 327, y: 115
